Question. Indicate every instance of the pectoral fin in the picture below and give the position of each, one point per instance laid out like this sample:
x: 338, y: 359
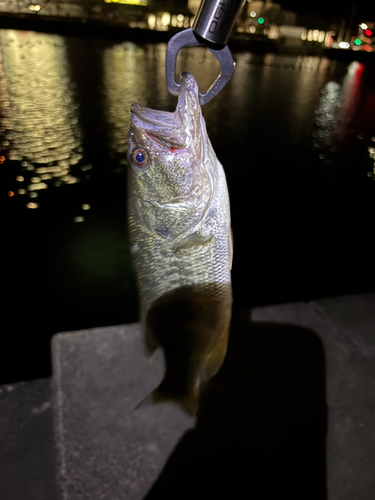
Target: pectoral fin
x: 193, y: 240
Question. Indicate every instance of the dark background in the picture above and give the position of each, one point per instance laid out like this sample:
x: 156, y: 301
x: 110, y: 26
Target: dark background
x: 332, y: 9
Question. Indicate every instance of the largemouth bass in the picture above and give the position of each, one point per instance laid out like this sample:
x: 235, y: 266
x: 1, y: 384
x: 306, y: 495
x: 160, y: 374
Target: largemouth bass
x: 181, y: 244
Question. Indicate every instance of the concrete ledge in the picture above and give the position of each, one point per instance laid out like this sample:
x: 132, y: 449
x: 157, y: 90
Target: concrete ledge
x: 27, y: 453
x: 346, y: 327
x: 292, y: 373
x: 107, y: 449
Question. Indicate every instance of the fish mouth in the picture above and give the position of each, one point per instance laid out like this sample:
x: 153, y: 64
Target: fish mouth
x: 151, y: 117
x: 160, y: 125
x: 163, y: 125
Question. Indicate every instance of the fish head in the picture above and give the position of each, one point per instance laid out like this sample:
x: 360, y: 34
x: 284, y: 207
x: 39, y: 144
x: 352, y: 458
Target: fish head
x: 170, y: 179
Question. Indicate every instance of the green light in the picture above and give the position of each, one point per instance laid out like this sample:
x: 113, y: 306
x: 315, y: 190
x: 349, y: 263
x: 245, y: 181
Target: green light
x: 261, y: 20
x: 357, y: 41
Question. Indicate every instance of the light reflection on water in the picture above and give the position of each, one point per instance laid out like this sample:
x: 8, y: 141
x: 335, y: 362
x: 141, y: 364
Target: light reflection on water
x: 337, y: 106
x: 64, y: 117
x: 120, y: 65
x: 39, y: 123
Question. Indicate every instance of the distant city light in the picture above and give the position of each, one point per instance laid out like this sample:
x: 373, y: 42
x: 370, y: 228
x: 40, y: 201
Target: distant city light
x: 10, y: 193
x: 166, y: 18
x: 357, y: 41
x: 19, y: 178
x: 151, y: 21
x: 367, y: 48
x: 344, y: 45
x: 79, y: 219
x: 273, y: 33
x: 161, y: 22
x: 85, y: 206
x: 368, y: 33
x: 32, y: 205
x: 329, y: 38
x: 35, y: 8
x: 253, y: 13
x: 363, y: 26
x: 128, y: 2
x: 261, y: 20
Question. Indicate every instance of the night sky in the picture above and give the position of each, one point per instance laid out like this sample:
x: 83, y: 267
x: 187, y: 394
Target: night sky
x: 331, y: 9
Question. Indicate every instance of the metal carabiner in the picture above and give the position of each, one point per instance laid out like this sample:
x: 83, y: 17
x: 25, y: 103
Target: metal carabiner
x: 188, y: 38
x: 212, y: 26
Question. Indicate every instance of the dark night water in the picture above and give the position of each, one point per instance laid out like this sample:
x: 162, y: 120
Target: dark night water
x: 296, y: 136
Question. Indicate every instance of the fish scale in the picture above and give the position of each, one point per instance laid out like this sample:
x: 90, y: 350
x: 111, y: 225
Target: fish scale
x: 179, y: 226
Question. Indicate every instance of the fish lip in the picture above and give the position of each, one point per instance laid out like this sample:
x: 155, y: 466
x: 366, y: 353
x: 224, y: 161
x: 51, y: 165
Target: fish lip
x: 188, y: 84
x: 162, y: 126
x: 144, y: 117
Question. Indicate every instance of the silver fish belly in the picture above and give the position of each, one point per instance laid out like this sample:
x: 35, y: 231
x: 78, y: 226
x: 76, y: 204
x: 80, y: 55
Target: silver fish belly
x: 180, y: 234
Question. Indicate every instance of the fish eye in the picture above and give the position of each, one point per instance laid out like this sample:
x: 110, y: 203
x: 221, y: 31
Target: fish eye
x: 140, y: 157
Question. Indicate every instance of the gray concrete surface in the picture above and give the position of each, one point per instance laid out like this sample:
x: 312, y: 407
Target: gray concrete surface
x: 290, y: 415
x: 346, y: 327
x: 108, y: 448
x: 27, y: 452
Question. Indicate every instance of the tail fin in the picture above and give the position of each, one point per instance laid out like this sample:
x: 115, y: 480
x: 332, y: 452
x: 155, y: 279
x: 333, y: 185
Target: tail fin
x: 189, y: 403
